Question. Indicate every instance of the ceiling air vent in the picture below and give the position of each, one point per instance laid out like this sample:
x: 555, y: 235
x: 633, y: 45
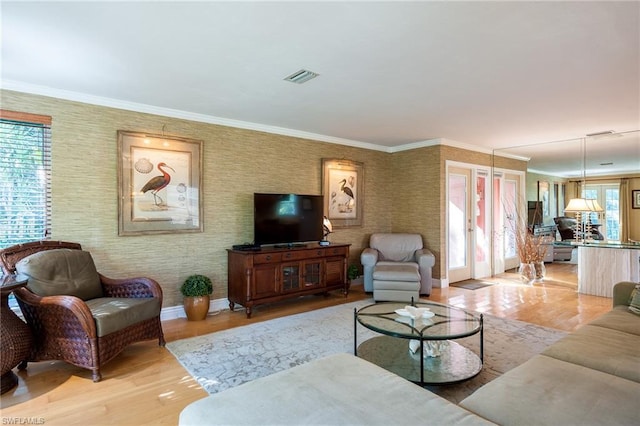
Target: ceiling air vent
x: 301, y: 76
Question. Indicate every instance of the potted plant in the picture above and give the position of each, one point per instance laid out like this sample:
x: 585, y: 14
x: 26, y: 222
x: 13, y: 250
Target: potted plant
x: 196, y: 290
x: 352, y: 273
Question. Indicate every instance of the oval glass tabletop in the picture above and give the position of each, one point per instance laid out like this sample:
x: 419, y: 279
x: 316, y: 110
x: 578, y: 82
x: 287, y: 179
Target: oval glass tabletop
x: 441, y: 322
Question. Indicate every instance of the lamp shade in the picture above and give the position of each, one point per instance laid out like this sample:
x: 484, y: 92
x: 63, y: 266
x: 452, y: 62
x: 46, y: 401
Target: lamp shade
x: 578, y: 205
x: 326, y: 223
x: 594, y: 206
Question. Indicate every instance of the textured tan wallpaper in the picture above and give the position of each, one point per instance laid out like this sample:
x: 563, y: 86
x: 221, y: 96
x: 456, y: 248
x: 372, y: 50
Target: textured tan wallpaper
x: 416, y: 196
x: 237, y: 163
x: 404, y: 191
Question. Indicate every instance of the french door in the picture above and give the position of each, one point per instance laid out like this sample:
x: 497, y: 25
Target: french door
x: 608, y: 197
x: 468, y: 222
x: 508, y: 211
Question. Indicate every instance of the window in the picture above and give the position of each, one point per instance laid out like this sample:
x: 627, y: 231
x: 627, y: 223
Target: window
x: 25, y: 177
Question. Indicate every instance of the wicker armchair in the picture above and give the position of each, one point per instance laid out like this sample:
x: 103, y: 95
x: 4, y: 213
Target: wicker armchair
x: 81, y: 330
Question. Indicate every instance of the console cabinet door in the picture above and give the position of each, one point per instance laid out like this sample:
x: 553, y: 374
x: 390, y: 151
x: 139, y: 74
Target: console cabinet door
x: 312, y: 273
x: 334, y: 274
x: 266, y: 281
x: 290, y: 277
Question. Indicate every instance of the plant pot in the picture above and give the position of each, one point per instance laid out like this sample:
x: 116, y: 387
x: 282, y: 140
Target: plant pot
x: 196, y: 307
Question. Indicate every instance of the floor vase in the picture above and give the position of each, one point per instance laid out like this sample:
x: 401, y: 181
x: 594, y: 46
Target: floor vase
x: 527, y: 272
x: 541, y: 271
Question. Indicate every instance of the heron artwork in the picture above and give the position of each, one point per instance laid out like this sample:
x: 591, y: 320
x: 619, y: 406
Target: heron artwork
x: 350, y: 199
x: 157, y: 183
x: 346, y: 190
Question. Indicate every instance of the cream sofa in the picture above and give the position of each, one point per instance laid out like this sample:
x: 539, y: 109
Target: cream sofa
x: 590, y: 377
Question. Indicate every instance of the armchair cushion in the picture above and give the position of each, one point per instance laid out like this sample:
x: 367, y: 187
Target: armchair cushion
x: 114, y: 314
x: 396, y: 247
x: 396, y: 271
x: 61, y: 272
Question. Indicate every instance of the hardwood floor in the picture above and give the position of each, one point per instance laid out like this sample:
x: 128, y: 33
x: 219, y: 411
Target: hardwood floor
x: 145, y: 384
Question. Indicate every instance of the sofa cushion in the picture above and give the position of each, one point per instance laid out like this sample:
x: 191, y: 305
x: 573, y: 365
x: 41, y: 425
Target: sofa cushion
x: 396, y: 247
x: 61, y: 272
x: 548, y: 391
x: 340, y: 389
x: 619, y: 318
x: 599, y: 348
x: 115, y: 313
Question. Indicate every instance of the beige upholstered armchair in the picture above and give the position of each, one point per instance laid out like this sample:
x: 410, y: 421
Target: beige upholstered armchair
x: 397, y: 267
x: 76, y: 314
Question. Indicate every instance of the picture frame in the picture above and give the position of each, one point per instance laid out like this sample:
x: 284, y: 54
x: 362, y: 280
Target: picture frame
x: 343, y: 190
x: 159, y: 184
x: 635, y: 198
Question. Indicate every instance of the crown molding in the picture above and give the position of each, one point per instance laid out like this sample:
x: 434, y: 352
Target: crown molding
x: 441, y: 141
x: 415, y: 145
x: 33, y: 89
x: 185, y: 115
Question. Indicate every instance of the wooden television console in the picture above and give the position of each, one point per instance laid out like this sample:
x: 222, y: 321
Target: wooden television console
x: 273, y: 274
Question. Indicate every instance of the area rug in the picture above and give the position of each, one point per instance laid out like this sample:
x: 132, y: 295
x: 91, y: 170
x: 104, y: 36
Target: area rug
x: 228, y: 358
x: 472, y: 284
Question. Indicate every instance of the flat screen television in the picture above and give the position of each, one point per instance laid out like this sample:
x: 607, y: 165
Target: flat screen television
x: 287, y: 219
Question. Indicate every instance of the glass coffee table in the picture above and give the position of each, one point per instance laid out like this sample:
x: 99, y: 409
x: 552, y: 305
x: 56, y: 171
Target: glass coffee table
x: 422, y: 349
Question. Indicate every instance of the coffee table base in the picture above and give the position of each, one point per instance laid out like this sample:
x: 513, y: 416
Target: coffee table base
x: 455, y: 364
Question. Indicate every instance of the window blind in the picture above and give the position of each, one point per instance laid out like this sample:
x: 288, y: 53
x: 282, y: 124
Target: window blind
x: 25, y: 177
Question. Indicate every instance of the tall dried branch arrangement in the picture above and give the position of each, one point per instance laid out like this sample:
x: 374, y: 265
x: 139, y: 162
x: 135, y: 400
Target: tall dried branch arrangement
x: 530, y: 248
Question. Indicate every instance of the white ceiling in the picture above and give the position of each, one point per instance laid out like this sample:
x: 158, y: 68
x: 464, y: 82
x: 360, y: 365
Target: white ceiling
x: 392, y: 74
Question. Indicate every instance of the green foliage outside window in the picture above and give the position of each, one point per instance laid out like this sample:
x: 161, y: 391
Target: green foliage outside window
x: 25, y: 197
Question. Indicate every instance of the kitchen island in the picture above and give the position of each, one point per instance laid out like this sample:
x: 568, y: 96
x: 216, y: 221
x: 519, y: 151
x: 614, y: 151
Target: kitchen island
x: 602, y: 264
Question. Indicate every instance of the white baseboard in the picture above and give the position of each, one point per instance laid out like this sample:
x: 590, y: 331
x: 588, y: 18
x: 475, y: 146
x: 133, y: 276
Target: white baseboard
x: 440, y: 282
x: 174, y: 312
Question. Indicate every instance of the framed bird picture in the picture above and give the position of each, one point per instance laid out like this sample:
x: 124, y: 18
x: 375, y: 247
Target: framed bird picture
x: 342, y: 187
x: 159, y: 184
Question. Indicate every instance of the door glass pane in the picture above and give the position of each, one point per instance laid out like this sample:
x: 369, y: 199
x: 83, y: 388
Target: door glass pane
x: 591, y: 193
x: 510, y: 226
x: 481, y: 219
x: 612, y: 214
x: 498, y: 222
x: 457, y: 221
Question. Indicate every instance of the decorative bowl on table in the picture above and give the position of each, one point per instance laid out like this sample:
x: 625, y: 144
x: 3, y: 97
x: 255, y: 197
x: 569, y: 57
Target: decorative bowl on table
x: 414, y: 312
